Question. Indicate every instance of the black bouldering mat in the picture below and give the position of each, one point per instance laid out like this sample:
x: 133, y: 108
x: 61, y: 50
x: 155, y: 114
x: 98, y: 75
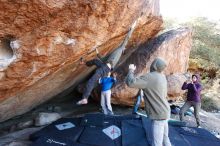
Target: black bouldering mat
x: 69, y: 128
x: 128, y: 130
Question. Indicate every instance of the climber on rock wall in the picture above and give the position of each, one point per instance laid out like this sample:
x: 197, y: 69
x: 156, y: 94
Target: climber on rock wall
x: 103, y: 68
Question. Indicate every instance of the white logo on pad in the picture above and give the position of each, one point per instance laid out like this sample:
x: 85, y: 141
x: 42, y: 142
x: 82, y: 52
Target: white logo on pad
x: 65, y: 126
x: 113, y: 132
x: 53, y: 141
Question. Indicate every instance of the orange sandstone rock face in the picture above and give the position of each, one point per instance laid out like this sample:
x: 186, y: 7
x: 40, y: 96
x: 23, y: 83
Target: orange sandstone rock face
x: 42, y: 41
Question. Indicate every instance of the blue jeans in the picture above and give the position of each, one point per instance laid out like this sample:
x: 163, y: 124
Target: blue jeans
x: 137, y: 104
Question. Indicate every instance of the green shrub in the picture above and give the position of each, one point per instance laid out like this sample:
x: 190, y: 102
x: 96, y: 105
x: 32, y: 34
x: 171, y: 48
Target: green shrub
x: 209, y: 104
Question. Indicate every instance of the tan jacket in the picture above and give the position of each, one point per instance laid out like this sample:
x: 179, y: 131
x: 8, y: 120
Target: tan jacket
x: 154, y: 86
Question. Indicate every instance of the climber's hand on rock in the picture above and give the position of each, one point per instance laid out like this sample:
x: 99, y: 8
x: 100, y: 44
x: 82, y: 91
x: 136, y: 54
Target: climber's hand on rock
x: 81, y: 61
x: 132, y: 67
x: 114, y: 74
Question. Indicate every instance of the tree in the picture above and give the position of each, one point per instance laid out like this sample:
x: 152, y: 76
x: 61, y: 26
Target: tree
x: 206, y: 40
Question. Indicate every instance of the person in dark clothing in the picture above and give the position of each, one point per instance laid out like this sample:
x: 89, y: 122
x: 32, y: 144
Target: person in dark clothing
x: 104, y: 68
x: 193, y: 98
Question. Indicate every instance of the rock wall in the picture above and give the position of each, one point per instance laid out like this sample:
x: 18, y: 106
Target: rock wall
x: 175, y: 82
x: 174, y: 46
x: 48, y: 37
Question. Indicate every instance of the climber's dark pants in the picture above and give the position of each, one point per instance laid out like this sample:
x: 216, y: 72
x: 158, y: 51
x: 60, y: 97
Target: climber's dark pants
x: 102, y: 70
x: 196, y: 106
x: 91, y: 84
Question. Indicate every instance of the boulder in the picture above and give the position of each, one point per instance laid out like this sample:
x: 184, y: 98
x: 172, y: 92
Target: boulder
x: 25, y: 124
x: 174, y: 46
x: 18, y: 137
x: 20, y: 143
x: 175, y: 82
x: 46, y: 118
x: 43, y: 41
